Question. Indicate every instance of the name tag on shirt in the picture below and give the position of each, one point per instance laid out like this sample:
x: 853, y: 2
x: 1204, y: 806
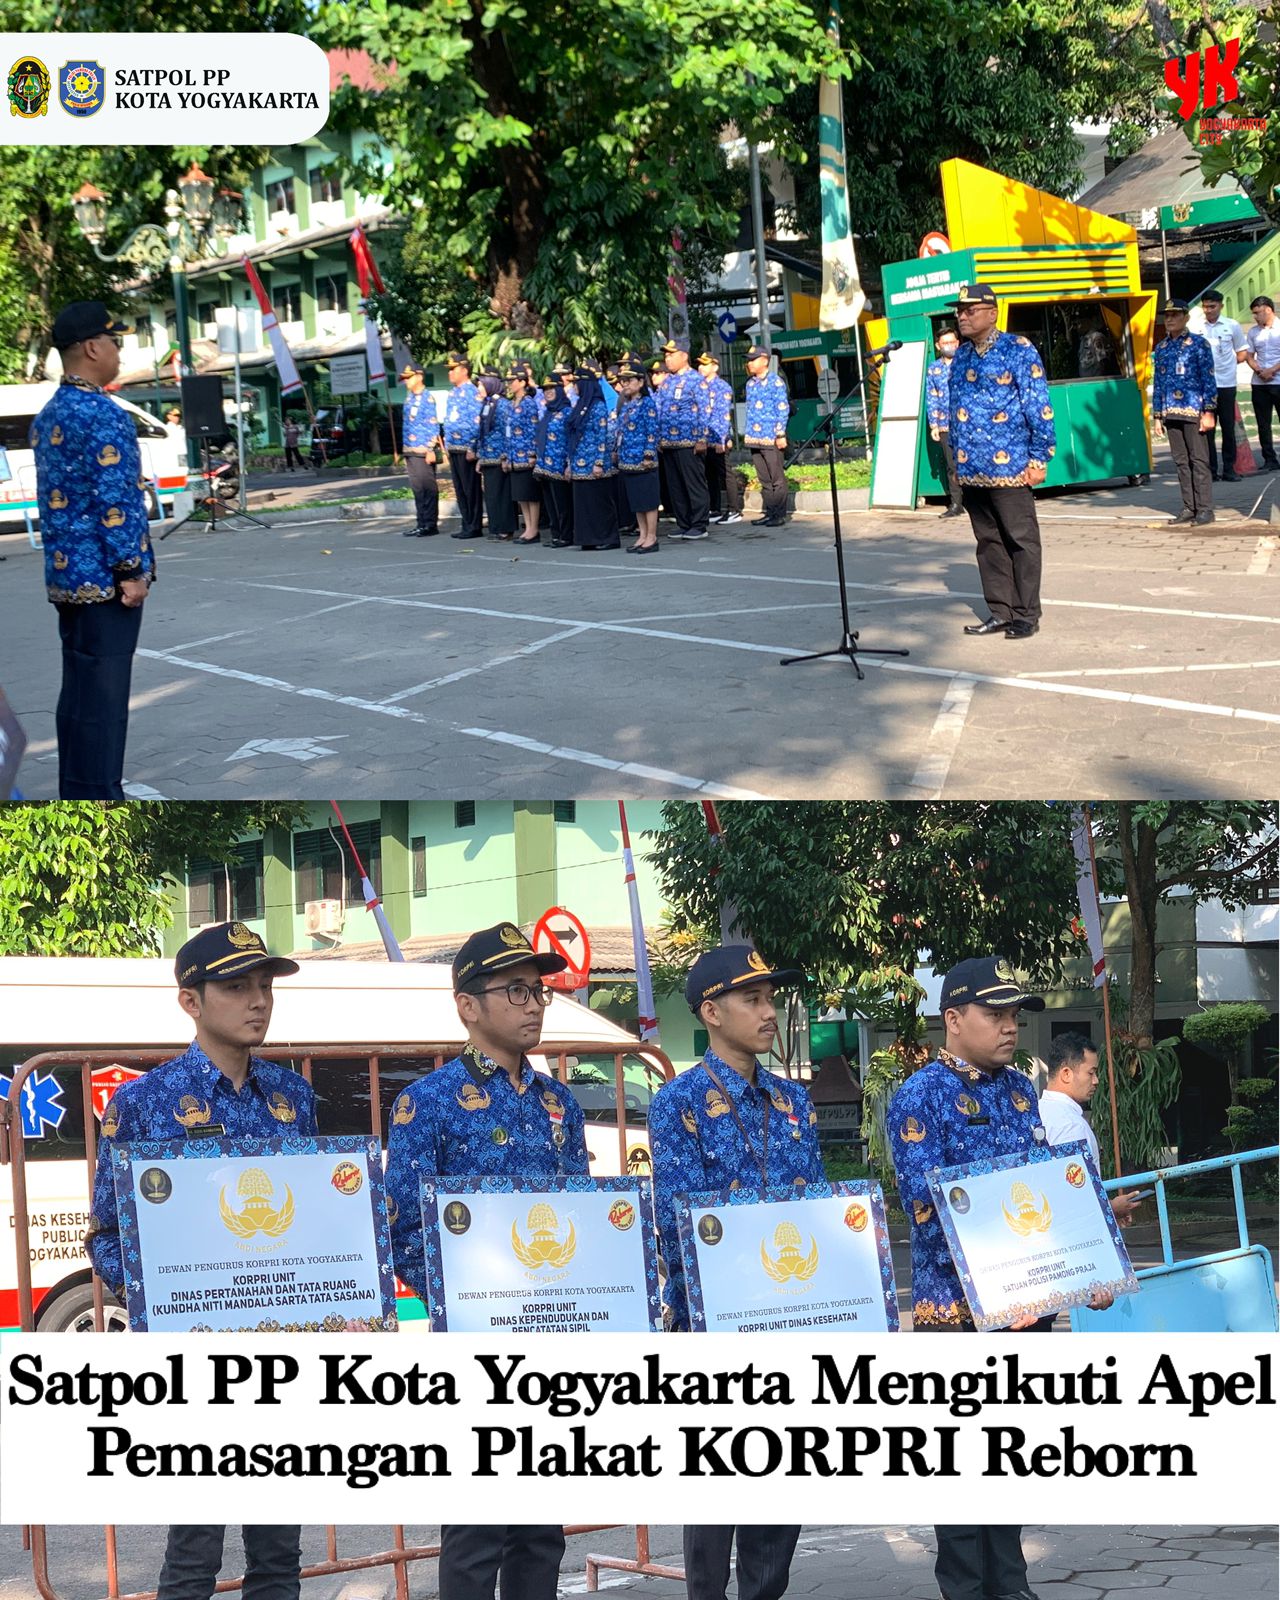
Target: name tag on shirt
x: 210, y: 1130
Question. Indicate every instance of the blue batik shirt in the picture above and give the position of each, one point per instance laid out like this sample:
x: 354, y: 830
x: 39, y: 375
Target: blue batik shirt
x: 595, y: 445
x: 492, y: 449
x: 720, y: 422
x: 947, y: 1114
x: 421, y: 424
x: 468, y: 1120
x: 1185, y: 381
x: 462, y: 417
x: 553, y: 458
x: 637, y: 425
x: 768, y: 408
x: 937, y: 391
x: 91, y: 494
x: 697, y: 1147
x: 1001, y: 418
x: 684, y: 410
x: 522, y: 427
x: 177, y: 1100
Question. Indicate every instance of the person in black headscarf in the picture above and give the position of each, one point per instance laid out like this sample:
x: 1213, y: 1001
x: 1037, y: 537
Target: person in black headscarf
x: 589, y: 431
x: 492, y: 443
x: 551, y: 460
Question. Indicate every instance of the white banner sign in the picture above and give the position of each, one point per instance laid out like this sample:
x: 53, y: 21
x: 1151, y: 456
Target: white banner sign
x: 348, y: 375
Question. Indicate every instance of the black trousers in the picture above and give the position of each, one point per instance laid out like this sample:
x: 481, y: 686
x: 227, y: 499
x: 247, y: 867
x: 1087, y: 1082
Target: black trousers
x: 1008, y: 537
x: 1190, y: 451
x: 724, y: 486
x: 764, y: 1561
x: 426, y: 491
x: 1227, y: 422
x: 664, y: 486
x: 557, y: 499
x: 949, y: 466
x: 524, y: 1561
x: 979, y: 1563
x: 687, y: 480
x: 193, y: 1556
x: 98, y: 642
x: 1266, y: 402
x: 498, y: 505
x: 767, y: 460
x: 292, y: 458
x: 467, y: 489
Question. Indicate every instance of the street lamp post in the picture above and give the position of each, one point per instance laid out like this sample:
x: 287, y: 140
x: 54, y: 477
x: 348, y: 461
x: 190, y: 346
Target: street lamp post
x: 186, y: 236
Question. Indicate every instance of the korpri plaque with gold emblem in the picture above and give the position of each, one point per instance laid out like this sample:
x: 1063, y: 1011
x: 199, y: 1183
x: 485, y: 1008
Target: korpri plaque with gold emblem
x: 1031, y: 1235
x: 783, y: 1260
x: 255, y: 1235
x: 540, y: 1255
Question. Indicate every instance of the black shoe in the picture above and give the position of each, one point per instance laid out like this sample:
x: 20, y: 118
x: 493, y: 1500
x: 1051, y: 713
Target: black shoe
x: 1021, y: 630
x: 981, y: 629
x: 1232, y: 477
x: 427, y: 533
x: 1270, y: 466
x: 759, y: 522
x: 466, y: 536
x: 1203, y: 518
x: 952, y: 511
x: 774, y: 522
x: 642, y: 549
x: 1183, y: 516
x: 1216, y: 476
x: 410, y: 533
x: 562, y: 544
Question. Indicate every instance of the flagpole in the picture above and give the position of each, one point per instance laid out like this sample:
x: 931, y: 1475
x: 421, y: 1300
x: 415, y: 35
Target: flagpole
x: 372, y: 903
x: 645, y: 1007
x: 1106, y: 1000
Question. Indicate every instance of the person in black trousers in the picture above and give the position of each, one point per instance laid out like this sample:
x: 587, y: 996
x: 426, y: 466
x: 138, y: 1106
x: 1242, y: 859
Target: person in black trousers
x: 193, y: 1557
x: 763, y: 1564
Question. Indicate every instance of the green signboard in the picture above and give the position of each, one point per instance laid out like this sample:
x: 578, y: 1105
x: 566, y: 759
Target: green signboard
x: 1196, y: 213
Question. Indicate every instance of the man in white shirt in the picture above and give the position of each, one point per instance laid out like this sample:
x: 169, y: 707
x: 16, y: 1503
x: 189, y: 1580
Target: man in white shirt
x: 1227, y: 341
x: 1069, y: 1086
x: 1263, y: 355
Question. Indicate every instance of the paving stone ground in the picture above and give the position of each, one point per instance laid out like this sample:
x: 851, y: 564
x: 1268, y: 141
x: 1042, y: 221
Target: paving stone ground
x: 334, y: 654
x: 832, y: 1563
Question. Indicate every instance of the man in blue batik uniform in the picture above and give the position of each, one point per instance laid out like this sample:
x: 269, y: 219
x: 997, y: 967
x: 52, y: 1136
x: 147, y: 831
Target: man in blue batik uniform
x: 98, y: 560
x: 1003, y: 437
x: 967, y: 1105
x: 1184, y: 403
x: 461, y: 426
x: 765, y: 435
x: 684, y: 410
x: 217, y: 1088
x: 727, y: 1124
x: 421, y: 436
x: 937, y: 391
x: 722, y: 480
x: 486, y: 1113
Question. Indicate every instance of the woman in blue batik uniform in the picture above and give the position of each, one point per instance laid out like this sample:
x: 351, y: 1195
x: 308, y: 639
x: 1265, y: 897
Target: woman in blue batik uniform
x: 491, y: 449
x: 637, y: 454
x: 522, y: 427
x: 551, y: 460
x: 589, y: 434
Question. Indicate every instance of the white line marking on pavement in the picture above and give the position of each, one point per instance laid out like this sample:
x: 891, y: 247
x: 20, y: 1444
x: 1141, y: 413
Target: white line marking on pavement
x: 470, y: 672
x: 279, y: 622
x: 1261, y: 557
x: 142, y: 791
x: 1138, y: 672
x: 583, y: 757
x: 930, y: 777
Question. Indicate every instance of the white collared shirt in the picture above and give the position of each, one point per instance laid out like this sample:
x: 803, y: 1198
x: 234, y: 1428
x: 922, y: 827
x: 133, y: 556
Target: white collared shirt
x: 1225, y: 337
x: 1064, y: 1122
x: 1265, y: 344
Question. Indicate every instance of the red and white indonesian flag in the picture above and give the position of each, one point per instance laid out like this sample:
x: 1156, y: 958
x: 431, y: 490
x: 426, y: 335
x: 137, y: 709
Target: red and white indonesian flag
x: 1087, y: 890
x: 368, y: 277
x: 290, y: 382
x: 648, y: 1011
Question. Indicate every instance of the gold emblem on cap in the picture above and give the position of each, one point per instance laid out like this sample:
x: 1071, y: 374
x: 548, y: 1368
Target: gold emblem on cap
x: 756, y: 961
x: 512, y: 937
x: 243, y: 938
x: 1004, y: 971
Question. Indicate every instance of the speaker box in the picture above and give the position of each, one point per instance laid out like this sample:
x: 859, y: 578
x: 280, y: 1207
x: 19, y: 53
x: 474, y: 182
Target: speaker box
x: 202, y: 414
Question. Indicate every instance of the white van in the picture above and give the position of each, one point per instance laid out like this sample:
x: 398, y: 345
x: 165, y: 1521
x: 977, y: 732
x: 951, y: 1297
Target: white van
x: 164, y: 455
x: 402, y: 1013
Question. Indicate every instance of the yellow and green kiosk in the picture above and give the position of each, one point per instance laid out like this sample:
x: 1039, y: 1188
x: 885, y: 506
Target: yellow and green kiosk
x: 1067, y: 279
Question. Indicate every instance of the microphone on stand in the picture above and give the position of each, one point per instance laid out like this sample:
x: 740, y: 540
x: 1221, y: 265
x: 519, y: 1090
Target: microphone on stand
x: 882, y: 354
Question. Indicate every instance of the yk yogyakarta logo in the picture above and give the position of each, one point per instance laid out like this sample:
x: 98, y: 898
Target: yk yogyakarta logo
x: 1205, y: 80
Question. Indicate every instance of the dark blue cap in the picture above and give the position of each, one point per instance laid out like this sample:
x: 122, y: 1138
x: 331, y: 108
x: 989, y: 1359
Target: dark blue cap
x: 83, y: 319
x: 986, y: 981
x: 1176, y: 305
x: 975, y: 294
x: 672, y: 345
x: 493, y: 949
x: 756, y: 351
x: 226, y: 951
x: 732, y: 966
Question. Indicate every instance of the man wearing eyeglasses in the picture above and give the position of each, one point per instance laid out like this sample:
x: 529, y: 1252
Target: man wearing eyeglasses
x: 486, y: 1113
x: 98, y: 561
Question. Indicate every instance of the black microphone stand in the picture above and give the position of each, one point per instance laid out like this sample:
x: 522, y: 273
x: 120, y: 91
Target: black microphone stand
x: 848, y: 646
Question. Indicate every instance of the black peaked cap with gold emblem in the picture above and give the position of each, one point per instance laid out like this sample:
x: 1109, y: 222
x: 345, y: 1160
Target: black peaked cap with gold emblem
x: 732, y: 966
x: 986, y: 981
x: 493, y: 949
x: 226, y: 951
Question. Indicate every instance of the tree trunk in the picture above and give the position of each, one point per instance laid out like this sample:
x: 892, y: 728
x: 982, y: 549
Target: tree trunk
x: 1138, y: 857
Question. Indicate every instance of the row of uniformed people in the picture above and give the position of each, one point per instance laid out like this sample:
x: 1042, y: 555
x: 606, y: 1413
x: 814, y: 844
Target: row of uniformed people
x: 509, y: 437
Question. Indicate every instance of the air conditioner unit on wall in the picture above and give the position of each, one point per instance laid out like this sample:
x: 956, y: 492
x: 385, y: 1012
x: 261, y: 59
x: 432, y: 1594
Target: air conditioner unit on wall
x: 324, y: 916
